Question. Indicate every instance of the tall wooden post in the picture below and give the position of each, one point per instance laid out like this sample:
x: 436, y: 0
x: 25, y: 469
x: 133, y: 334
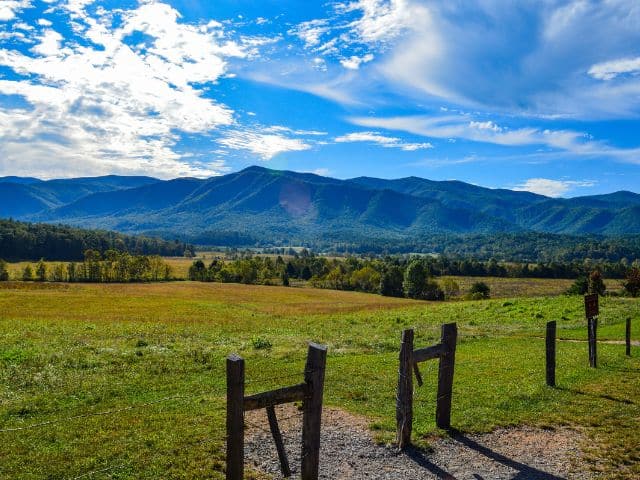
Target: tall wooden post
x: 592, y: 310
x: 404, y: 400
x: 445, y: 375
x: 235, y: 417
x: 551, y: 353
x: 312, y: 414
x: 628, y: 337
x: 592, y: 326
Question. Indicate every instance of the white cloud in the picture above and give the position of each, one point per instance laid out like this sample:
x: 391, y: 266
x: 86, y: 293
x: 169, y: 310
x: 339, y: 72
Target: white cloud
x: 354, y: 62
x: 115, y: 105
x: 551, y: 188
x: 610, y: 70
x: 381, y: 20
x: 310, y: 32
x: 387, y: 142
x: 49, y: 44
x: 43, y: 22
x: 265, y: 143
x: 9, y: 8
x: 459, y: 126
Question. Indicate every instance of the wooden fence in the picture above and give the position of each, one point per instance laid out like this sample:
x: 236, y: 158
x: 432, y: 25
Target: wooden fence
x: 409, y: 360
x: 310, y: 392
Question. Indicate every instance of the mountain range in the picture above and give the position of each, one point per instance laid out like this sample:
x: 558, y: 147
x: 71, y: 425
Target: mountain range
x: 283, y: 207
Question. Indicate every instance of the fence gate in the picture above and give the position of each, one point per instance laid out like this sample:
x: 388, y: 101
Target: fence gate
x: 309, y: 392
x: 409, y: 360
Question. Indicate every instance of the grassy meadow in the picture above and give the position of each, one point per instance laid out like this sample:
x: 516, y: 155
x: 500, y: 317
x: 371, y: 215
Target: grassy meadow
x: 153, y: 356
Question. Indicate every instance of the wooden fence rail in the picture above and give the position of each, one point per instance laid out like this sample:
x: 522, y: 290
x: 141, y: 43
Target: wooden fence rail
x: 310, y: 393
x: 408, y: 366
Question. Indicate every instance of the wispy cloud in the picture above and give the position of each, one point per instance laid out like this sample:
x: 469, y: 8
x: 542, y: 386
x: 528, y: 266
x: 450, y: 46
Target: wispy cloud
x: 382, y: 140
x: 611, y: 69
x: 552, y: 188
x: 464, y: 127
x: 265, y: 143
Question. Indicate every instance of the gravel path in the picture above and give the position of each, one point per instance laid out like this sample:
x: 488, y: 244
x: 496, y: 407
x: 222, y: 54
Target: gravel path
x: 349, y: 452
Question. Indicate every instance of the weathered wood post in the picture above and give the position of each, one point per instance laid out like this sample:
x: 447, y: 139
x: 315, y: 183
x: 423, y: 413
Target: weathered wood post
x: 592, y: 310
x: 592, y: 326
x: 312, y: 410
x: 277, y: 438
x: 404, y: 400
x: 235, y: 417
x: 551, y: 353
x: 628, y: 337
x: 445, y: 375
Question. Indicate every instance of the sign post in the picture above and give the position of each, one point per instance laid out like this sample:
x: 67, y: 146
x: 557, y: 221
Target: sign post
x: 592, y: 310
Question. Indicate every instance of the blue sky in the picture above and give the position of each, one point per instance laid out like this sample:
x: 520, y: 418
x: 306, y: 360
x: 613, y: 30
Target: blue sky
x: 533, y: 95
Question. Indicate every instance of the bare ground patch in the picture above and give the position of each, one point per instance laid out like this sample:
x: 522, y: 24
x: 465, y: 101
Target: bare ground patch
x: 348, y: 451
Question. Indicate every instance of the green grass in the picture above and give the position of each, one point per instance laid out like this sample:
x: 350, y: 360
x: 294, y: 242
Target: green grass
x: 75, y: 349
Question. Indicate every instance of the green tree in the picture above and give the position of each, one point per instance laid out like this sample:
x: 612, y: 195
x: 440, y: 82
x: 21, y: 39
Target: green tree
x: 366, y: 279
x: 41, y: 271
x: 391, y: 282
x: 4, y: 271
x: 414, y: 279
x: 631, y: 285
x: 27, y: 273
x: 596, y: 285
x: 197, y: 271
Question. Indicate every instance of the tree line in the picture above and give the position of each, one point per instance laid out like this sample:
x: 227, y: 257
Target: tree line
x: 21, y: 241
x: 112, y: 266
x: 407, y: 276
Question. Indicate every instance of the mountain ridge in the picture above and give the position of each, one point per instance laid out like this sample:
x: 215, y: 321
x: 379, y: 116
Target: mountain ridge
x: 279, y: 206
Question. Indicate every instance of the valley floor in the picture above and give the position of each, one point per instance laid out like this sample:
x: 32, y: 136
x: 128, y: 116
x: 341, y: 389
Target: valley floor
x: 127, y: 381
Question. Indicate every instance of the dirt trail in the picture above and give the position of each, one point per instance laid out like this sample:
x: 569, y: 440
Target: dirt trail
x: 348, y: 451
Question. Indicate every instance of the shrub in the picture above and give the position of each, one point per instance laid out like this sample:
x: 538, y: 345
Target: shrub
x: 480, y: 291
x: 261, y: 343
x: 579, y: 287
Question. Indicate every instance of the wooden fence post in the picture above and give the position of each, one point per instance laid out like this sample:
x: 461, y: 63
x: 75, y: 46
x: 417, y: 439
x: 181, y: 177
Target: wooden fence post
x: 277, y: 438
x: 628, y: 337
x: 551, y: 353
x: 592, y: 327
x: 312, y: 406
x: 235, y: 417
x: 445, y: 375
x: 404, y: 400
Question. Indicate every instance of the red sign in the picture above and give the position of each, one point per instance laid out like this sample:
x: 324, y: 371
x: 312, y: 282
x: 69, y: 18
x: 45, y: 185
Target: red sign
x: 591, y: 307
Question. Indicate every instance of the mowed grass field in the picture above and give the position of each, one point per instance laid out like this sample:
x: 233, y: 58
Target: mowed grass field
x: 152, y: 357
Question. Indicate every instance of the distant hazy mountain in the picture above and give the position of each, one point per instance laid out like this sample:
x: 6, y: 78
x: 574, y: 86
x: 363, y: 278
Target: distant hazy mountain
x: 282, y: 207
x: 20, y: 196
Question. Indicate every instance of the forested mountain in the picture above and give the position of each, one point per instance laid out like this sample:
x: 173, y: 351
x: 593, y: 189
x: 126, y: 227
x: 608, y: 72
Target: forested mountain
x: 28, y: 241
x: 270, y: 207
